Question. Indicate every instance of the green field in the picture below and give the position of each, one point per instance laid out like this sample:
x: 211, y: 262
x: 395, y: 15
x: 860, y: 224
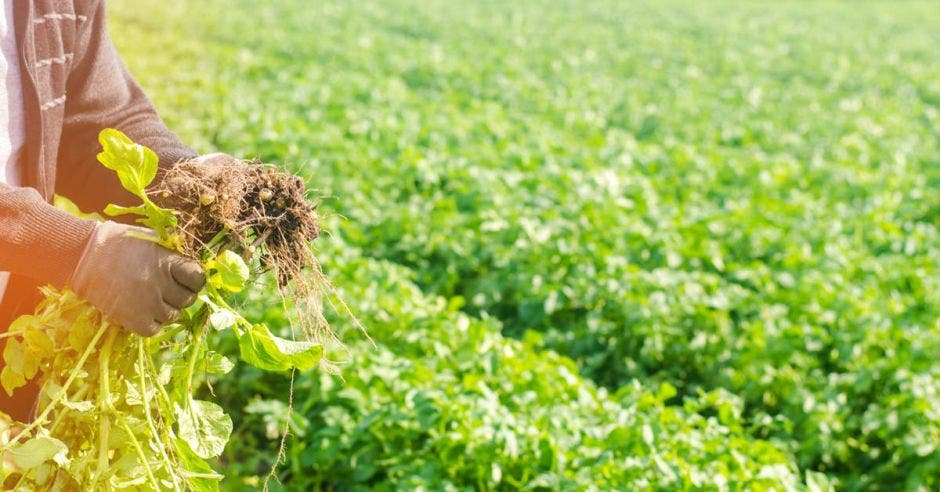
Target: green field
x: 599, y: 245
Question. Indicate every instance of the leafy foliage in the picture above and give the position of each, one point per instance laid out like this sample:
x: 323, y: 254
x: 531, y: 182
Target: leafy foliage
x: 117, y: 410
x: 136, y: 167
x: 728, y: 199
x: 445, y: 401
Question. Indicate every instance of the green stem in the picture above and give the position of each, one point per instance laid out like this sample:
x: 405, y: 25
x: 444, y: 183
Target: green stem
x: 194, y: 350
x: 211, y: 246
x: 166, y: 334
x: 68, y: 382
x: 105, y: 409
x: 166, y: 404
x: 140, y: 453
x: 141, y: 369
x: 59, y: 417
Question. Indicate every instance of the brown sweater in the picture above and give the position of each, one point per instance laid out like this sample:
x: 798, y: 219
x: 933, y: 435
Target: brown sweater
x: 74, y: 85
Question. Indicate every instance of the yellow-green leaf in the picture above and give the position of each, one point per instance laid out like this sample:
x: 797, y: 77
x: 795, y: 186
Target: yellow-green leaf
x: 10, y: 380
x: 227, y: 271
x: 260, y: 348
x: 66, y: 205
x: 37, y: 451
x: 205, y: 427
x: 135, y: 165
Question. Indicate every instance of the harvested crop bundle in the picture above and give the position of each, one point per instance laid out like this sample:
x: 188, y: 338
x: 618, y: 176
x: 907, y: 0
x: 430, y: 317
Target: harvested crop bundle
x: 252, y: 202
x: 117, y: 410
x: 256, y: 212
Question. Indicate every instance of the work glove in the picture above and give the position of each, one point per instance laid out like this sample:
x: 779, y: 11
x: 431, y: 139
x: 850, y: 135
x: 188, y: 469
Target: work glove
x: 135, y: 283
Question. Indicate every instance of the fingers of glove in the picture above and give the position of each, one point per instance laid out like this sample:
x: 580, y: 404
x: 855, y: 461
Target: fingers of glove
x: 139, y: 322
x: 188, y: 274
x: 150, y: 317
x: 147, y: 328
x: 141, y: 310
x: 166, y: 314
x: 128, y: 279
x: 179, y: 297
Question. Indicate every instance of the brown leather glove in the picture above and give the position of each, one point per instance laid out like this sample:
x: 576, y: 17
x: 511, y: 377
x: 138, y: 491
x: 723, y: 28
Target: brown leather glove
x: 136, y: 283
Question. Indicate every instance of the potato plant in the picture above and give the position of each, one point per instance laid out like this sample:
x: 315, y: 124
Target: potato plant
x: 733, y: 198
x: 117, y: 410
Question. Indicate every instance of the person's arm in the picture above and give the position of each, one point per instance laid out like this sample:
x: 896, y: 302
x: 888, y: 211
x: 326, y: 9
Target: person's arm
x: 37, y: 240
x: 103, y: 94
x: 136, y: 283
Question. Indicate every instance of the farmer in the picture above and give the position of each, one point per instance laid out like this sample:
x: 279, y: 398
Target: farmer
x: 61, y: 82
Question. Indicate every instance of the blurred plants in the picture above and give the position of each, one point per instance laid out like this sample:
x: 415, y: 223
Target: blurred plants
x: 734, y: 201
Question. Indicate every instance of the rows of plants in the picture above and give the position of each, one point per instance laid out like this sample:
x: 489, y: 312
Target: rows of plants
x: 444, y: 401
x: 727, y: 213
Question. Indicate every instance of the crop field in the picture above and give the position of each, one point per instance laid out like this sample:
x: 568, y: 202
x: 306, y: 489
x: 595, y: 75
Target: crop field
x: 598, y: 245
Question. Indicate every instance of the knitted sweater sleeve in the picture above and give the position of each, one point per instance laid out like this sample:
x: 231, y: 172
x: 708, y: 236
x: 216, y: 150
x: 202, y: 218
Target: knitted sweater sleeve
x: 37, y: 240
x: 102, y: 94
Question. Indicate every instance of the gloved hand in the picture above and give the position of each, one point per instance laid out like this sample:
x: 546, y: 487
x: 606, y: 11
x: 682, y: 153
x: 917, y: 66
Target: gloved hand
x: 136, y: 283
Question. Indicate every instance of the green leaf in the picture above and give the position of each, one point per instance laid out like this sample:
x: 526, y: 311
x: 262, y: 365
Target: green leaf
x: 276, y: 414
x: 24, y: 322
x: 10, y: 380
x: 135, y: 165
x: 66, y: 205
x: 227, y: 271
x: 38, y: 343
x: 14, y: 355
x: 37, y: 451
x: 21, y: 364
x: 160, y: 220
x: 818, y: 482
x: 222, y: 319
x: 205, y: 427
x: 163, y: 222
x: 200, y: 474
x: 217, y: 363
x: 79, y: 406
x: 51, y: 390
x: 117, y: 210
x: 260, y: 348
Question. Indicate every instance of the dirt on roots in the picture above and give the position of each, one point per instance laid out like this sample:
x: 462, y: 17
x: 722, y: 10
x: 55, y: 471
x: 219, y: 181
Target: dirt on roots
x: 256, y: 211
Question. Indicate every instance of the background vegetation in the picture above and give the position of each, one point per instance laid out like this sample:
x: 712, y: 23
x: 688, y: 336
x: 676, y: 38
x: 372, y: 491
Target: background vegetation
x: 677, y: 245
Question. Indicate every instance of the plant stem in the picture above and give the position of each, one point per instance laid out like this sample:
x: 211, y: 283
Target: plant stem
x: 140, y: 453
x: 105, y: 409
x: 194, y: 349
x: 141, y: 370
x: 166, y: 334
x: 58, y: 418
x: 68, y: 382
x: 166, y: 404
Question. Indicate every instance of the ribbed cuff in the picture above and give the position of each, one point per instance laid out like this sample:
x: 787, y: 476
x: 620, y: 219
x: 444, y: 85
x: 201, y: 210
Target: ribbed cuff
x: 89, y: 244
x: 59, y: 240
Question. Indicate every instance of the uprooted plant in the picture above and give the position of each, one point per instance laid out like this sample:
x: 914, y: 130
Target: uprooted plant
x: 117, y: 410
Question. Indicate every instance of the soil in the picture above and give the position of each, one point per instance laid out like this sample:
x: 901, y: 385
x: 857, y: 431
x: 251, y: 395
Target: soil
x: 250, y: 205
x: 258, y: 212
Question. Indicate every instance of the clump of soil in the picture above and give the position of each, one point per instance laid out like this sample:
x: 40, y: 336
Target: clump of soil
x: 251, y: 204
x: 255, y: 209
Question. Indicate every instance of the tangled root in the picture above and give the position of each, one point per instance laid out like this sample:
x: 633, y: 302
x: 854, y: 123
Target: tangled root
x: 256, y: 211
